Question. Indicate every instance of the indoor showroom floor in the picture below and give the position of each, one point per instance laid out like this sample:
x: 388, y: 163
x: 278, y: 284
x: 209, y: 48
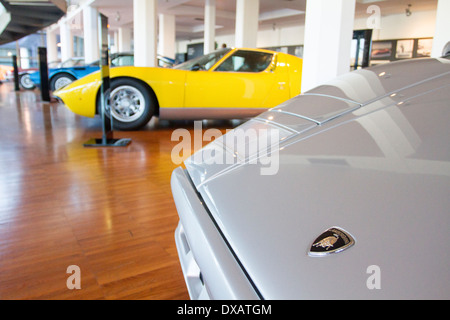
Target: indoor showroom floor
x: 108, y: 211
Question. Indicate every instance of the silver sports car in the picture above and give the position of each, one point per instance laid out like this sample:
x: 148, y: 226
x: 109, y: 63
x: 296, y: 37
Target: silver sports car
x: 342, y: 192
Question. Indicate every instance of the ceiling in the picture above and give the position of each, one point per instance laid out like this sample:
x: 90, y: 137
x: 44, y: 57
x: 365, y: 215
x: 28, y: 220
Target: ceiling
x: 190, y: 13
x: 24, y: 17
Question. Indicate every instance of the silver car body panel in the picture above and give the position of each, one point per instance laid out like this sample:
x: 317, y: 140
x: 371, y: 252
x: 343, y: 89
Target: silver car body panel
x: 368, y: 152
x: 201, y: 247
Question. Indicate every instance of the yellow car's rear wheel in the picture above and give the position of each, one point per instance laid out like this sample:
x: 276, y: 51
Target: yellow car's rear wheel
x: 131, y: 104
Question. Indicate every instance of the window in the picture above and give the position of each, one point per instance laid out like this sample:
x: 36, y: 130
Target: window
x: 73, y: 62
x: 204, y: 62
x: 125, y: 60
x: 246, y: 61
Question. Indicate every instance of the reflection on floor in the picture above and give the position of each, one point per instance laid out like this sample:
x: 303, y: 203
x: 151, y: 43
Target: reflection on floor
x: 107, y: 210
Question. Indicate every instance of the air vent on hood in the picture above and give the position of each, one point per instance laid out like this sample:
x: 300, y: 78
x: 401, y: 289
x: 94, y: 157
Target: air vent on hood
x: 317, y: 108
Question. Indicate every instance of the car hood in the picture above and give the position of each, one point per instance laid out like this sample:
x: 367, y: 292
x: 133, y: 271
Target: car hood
x: 365, y: 153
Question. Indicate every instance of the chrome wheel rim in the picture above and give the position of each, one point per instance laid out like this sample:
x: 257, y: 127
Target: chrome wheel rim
x: 62, y: 82
x: 127, y: 103
x: 26, y: 81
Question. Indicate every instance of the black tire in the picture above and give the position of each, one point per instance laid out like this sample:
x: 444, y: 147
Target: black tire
x: 133, y: 104
x: 25, y: 82
x: 60, y: 77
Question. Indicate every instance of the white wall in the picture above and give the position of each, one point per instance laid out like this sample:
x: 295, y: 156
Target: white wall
x: 281, y: 36
x: 273, y: 37
x: 418, y: 25
x: 399, y: 26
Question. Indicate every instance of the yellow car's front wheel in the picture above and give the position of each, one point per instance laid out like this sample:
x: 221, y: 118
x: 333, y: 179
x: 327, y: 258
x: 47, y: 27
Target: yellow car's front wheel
x: 131, y: 104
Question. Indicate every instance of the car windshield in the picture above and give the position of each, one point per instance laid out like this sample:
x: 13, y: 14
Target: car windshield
x: 72, y: 63
x: 204, y: 62
x: 121, y: 60
x: 54, y: 64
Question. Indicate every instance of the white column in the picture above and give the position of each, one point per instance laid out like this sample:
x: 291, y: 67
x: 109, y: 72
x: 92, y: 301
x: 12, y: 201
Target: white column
x: 52, y: 46
x: 124, y: 39
x: 328, y: 38
x: 145, y: 36
x: 247, y: 16
x: 210, y: 26
x: 91, y: 44
x: 442, y: 31
x: 167, y: 35
x: 115, y: 47
x: 19, y: 61
x: 24, y: 58
x: 66, y: 41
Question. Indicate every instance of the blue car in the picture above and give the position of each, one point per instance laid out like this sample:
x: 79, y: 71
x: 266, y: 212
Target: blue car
x: 66, y: 73
x: 75, y: 68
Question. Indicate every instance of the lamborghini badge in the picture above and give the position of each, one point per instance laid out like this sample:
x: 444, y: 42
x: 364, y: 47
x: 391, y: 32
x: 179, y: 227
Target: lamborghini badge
x: 333, y: 240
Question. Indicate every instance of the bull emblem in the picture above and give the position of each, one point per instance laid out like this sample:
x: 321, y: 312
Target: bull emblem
x: 332, y: 240
x: 328, y: 242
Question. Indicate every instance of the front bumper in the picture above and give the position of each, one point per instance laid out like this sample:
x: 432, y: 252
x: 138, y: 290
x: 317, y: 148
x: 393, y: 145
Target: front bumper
x: 210, y: 268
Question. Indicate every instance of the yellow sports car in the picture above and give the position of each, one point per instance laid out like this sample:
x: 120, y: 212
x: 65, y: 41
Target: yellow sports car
x: 225, y: 84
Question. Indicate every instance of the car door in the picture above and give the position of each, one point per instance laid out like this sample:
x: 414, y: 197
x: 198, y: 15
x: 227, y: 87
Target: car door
x: 81, y: 71
x: 246, y: 79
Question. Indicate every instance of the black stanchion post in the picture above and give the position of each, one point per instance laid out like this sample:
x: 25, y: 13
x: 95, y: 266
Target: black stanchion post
x: 367, y: 48
x: 107, y: 139
x: 43, y: 73
x: 16, y: 74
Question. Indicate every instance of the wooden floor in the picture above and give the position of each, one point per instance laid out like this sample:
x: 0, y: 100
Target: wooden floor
x: 107, y: 210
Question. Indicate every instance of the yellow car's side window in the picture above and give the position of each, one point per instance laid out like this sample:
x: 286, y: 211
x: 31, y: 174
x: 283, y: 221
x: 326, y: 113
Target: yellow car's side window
x: 246, y: 61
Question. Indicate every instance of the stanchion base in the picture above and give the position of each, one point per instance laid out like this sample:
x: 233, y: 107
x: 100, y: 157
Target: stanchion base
x: 93, y: 142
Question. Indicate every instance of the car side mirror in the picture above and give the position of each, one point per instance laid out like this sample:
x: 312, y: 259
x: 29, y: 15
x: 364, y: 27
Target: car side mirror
x: 196, y: 67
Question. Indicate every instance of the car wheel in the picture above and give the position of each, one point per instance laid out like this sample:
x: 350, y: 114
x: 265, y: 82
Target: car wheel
x: 25, y: 82
x: 132, y: 104
x: 61, y: 80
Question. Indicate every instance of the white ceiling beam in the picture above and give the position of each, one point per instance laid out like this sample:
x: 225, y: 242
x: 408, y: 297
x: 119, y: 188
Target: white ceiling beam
x: 278, y: 14
x: 186, y: 10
